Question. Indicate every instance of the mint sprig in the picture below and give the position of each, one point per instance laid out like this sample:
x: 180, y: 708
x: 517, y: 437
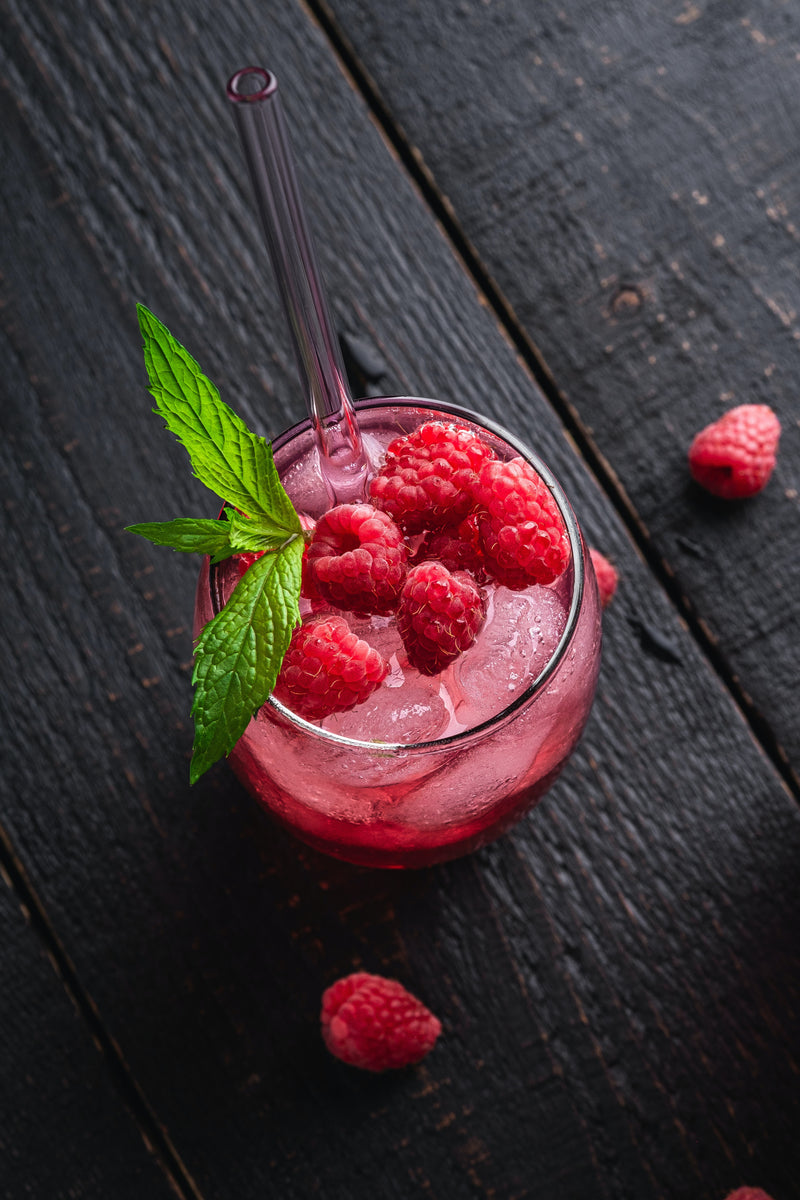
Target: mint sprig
x: 239, y: 653
x: 226, y: 456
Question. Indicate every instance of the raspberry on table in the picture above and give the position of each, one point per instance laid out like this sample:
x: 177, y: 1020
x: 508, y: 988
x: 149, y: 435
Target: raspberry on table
x: 427, y: 479
x: 522, y: 533
x: 606, y: 575
x: 439, y: 616
x: 748, y: 1193
x: 356, y: 559
x: 734, y: 456
x: 327, y: 669
x: 374, y: 1023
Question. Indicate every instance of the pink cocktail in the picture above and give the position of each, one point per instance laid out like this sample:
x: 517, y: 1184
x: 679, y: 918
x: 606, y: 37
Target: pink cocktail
x: 429, y: 767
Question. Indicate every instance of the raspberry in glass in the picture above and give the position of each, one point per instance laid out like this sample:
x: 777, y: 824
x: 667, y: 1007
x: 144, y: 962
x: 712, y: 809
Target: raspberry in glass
x: 521, y: 531
x: 735, y: 456
x: 327, y: 669
x: 439, y: 616
x: 356, y: 559
x: 748, y: 1193
x: 428, y: 477
x: 374, y: 1023
x: 457, y: 547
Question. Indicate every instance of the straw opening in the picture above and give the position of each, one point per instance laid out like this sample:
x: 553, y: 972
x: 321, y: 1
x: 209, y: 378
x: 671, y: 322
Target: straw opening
x: 251, y: 84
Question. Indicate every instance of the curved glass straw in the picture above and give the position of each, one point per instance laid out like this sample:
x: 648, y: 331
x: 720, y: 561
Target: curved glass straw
x: 259, y: 118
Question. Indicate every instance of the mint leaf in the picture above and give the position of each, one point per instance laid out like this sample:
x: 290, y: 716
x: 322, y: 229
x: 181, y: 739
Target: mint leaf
x: 226, y: 456
x: 239, y: 653
x: 219, y: 539
x: 190, y: 535
x: 256, y: 534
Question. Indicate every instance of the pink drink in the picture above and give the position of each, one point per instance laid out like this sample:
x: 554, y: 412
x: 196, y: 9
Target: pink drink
x: 429, y: 767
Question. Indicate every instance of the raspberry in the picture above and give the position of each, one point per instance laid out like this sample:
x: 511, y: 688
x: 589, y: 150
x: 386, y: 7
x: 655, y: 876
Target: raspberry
x: 748, y: 1193
x: 428, y: 477
x: 357, y: 559
x: 374, y: 1023
x: 521, y: 530
x: 327, y: 669
x: 439, y: 616
x: 607, y: 577
x: 734, y: 456
x: 456, y: 547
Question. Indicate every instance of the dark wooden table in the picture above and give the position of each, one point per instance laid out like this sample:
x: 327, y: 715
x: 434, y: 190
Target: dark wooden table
x: 586, y: 222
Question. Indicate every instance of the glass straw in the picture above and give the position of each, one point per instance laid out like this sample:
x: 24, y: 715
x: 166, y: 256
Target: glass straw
x: 259, y: 118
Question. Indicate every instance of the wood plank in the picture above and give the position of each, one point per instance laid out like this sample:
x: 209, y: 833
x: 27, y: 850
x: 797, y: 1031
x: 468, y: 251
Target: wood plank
x: 615, y: 978
x: 630, y: 178
x: 66, y: 1132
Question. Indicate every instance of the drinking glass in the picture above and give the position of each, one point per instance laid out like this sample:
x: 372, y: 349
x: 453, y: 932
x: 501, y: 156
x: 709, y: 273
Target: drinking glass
x: 410, y: 803
x: 472, y: 751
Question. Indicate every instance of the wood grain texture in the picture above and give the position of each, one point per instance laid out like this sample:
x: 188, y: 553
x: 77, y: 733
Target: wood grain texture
x: 618, y: 979
x: 65, y: 1133
x: 630, y: 178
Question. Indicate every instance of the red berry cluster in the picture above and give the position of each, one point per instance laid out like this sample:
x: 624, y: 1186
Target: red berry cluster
x: 327, y: 669
x: 428, y: 479
x: 734, y: 457
x: 439, y: 615
x: 445, y: 517
x: 372, y: 1022
x: 748, y: 1193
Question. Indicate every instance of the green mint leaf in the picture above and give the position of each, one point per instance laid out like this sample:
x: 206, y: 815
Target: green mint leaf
x: 256, y: 534
x: 226, y: 456
x: 190, y: 535
x: 239, y: 653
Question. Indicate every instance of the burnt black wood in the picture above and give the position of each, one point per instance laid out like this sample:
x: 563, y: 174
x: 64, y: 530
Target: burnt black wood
x: 65, y: 1132
x: 629, y: 175
x: 618, y: 978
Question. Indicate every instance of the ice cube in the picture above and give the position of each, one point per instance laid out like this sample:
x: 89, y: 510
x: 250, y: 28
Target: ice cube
x: 406, y: 708
x: 518, y: 638
x: 380, y: 632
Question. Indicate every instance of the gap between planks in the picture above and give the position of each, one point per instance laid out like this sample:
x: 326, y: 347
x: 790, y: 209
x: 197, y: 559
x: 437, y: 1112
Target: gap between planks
x: 155, y: 1138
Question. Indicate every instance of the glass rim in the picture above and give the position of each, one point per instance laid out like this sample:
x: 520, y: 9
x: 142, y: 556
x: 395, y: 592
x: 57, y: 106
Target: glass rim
x: 464, y: 736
